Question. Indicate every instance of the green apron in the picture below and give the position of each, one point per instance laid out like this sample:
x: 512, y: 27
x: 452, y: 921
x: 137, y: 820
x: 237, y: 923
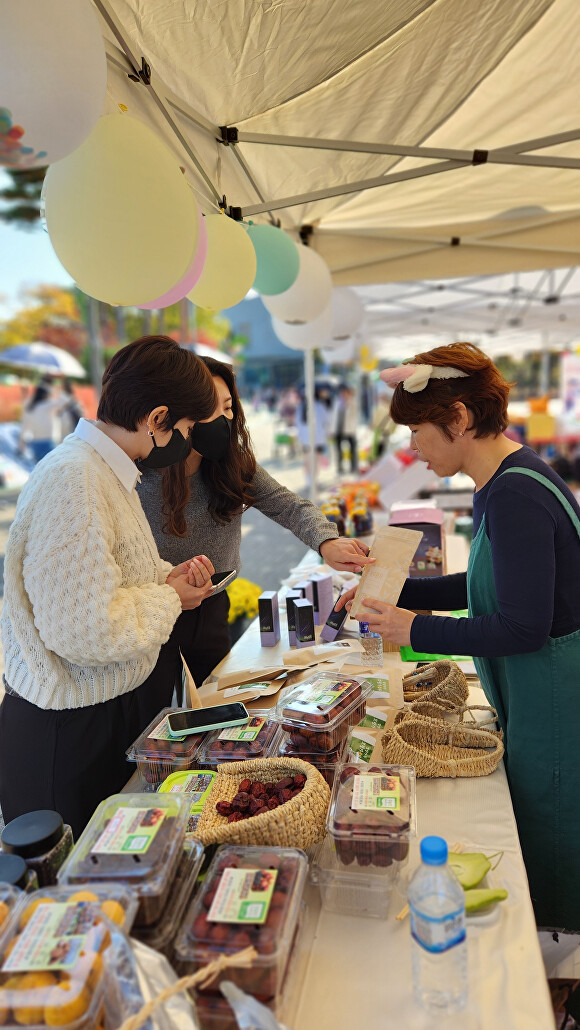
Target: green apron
x: 537, y: 698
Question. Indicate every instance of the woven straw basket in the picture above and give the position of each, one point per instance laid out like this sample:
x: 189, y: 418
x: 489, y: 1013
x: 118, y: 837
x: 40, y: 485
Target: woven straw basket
x: 429, y: 711
x: 434, y: 748
x: 441, y: 682
x: 298, y: 823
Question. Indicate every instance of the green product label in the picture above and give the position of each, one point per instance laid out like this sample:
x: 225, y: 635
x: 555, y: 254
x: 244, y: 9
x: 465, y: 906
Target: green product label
x: 375, y: 791
x: 129, y: 830
x: 53, y: 939
x: 374, y: 721
x: 362, y: 744
x: 196, y: 784
x: 380, y: 685
x: 243, y: 896
x: 249, y: 731
x: 161, y: 732
x: 325, y: 692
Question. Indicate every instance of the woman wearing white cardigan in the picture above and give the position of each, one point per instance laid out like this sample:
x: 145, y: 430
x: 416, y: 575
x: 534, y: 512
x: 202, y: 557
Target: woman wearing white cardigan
x: 88, y: 601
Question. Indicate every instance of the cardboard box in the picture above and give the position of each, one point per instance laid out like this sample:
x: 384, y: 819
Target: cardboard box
x: 269, y: 618
x: 322, y: 596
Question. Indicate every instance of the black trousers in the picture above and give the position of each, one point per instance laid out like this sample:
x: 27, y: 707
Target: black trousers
x: 351, y: 440
x: 202, y: 636
x: 71, y: 760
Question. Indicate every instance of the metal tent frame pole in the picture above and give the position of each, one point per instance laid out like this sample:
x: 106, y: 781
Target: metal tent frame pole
x: 311, y: 421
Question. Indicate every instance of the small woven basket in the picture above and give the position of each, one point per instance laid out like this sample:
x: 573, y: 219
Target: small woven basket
x: 429, y: 711
x: 297, y: 823
x: 441, y: 681
x: 434, y: 748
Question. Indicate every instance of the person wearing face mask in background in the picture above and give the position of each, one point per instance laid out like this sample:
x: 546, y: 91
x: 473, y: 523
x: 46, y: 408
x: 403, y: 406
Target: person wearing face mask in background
x: 89, y: 605
x: 199, y: 504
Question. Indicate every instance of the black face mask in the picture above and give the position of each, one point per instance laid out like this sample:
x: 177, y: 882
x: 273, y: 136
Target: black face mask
x: 171, y: 453
x: 211, y: 439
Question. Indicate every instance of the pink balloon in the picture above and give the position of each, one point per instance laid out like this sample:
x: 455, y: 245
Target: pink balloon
x: 188, y: 281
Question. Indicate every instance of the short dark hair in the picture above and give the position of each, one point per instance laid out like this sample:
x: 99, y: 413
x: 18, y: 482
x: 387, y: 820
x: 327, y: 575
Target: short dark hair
x: 152, y: 371
x: 483, y: 390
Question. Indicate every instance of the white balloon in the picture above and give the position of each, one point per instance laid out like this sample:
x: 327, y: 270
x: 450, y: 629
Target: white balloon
x: 342, y: 355
x: 347, y: 312
x: 53, y: 78
x: 305, y: 335
x: 309, y: 294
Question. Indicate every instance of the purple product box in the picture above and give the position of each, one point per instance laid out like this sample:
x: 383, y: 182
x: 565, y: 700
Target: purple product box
x: 305, y: 588
x: 334, y: 624
x: 304, y: 619
x: 269, y: 618
x: 322, y: 596
x: 291, y: 596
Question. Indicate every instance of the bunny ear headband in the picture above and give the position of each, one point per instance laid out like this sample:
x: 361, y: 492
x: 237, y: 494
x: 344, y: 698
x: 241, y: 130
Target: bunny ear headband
x: 415, y: 377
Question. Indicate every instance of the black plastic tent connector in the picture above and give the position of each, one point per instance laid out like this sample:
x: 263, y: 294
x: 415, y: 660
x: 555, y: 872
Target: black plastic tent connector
x: 229, y: 134
x: 144, y: 75
x: 480, y: 157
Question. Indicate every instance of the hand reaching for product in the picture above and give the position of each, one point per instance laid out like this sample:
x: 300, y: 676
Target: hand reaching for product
x: 192, y: 581
x: 345, y: 555
x: 394, y: 624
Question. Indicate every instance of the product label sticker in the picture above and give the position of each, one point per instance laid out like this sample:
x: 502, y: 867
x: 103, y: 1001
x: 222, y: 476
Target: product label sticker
x: 362, y: 744
x: 324, y: 692
x: 129, y: 830
x: 376, y: 791
x: 374, y: 720
x: 161, y: 732
x: 54, y: 937
x: 249, y: 731
x: 437, y: 933
x: 243, y: 896
x: 380, y: 685
x: 197, y: 785
x: 254, y: 688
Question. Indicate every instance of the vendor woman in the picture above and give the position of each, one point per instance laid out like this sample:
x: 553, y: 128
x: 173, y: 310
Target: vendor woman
x: 88, y: 600
x: 523, y: 597
x: 197, y: 505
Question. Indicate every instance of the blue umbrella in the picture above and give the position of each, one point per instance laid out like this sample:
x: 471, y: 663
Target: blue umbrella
x: 43, y: 357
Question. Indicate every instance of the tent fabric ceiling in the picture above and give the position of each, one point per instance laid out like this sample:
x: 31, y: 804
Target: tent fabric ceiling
x: 444, y: 73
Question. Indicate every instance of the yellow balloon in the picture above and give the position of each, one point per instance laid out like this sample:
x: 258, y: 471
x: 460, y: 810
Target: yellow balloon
x: 120, y: 214
x: 230, y: 266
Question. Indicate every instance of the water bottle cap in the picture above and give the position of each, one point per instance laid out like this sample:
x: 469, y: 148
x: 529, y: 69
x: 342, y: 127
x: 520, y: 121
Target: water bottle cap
x: 434, y: 851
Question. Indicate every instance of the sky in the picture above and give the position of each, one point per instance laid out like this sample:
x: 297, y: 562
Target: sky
x: 26, y: 259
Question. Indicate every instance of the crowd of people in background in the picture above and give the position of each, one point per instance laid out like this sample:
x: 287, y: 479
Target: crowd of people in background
x: 49, y: 416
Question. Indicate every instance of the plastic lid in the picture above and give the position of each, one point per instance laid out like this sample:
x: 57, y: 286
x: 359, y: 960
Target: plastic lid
x: 373, y: 802
x: 363, y: 627
x: 13, y: 869
x: 322, y: 702
x: 434, y: 851
x: 155, y: 744
x: 33, y: 834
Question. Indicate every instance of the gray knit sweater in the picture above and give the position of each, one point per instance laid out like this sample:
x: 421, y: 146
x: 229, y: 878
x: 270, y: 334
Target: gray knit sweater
x: 222, y: 543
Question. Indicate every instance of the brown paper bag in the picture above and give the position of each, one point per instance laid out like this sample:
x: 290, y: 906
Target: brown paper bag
x: 394, y: 549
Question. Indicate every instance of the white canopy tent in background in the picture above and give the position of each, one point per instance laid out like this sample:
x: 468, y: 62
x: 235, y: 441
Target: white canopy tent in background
x: 415, y: 139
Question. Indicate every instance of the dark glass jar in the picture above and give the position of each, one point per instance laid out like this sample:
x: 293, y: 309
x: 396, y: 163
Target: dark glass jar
x: 42, y: 839
x: 13, y: 870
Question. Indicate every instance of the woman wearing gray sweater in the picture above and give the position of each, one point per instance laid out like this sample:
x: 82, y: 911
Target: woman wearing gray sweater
x: 200, y: 502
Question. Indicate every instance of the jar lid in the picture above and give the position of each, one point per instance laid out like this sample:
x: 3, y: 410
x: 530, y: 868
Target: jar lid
x: 33, y: 833
x: 13, y: 870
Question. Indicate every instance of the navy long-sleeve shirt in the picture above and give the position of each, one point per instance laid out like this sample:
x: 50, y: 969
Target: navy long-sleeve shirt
x: 536, y: 566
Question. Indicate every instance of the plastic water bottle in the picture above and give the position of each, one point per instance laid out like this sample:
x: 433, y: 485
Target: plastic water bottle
x: 437, y: 910
x: 372, y: 646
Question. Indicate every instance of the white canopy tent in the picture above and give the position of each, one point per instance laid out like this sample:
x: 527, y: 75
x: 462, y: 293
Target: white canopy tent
x: 460, y: 118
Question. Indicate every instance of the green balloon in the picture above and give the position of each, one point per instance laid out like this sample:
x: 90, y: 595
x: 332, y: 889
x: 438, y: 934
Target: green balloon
x: 278, y: 260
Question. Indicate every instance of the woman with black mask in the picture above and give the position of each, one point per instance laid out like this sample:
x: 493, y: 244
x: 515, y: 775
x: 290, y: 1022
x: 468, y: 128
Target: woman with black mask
x: 199, y: 503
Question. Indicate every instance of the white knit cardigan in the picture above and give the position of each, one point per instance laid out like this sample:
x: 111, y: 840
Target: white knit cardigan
x: 86, y: 606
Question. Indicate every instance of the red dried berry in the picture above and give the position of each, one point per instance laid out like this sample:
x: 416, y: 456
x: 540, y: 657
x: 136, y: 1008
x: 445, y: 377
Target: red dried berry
x: 269, y: 788
x: 285, y: 794
x: 273, y: 803
x: 283, y: 784
x: 224, y: 808
x: 244, y: 786
x: 262, y: 810
x: 235, y: 817
x: 299, y: 780
x: 254, y: 806
x: 296, y: 792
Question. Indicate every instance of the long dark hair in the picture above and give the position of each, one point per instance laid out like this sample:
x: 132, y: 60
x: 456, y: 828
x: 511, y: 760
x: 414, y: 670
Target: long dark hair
x: 229, y: 481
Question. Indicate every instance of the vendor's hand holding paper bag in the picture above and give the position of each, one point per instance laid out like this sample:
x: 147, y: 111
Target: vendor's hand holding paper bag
x: 393, y: 549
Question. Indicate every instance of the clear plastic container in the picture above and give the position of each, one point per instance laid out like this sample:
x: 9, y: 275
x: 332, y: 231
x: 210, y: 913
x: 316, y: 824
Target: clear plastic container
x: 255, y: 739
x: 53, y: 965
x: 161, y: 935
x: 115, y: 901
x: 351, y: 890
x: 325, y: 762
x: 372, y: 814
x: 318, y: 712
x: 158, y: 755
x: 250, y: 896
x: 9, y: 895
x: 197, y: 783
x: 133, y: 839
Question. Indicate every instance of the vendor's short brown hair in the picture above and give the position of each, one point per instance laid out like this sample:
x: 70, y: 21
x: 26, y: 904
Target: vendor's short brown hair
x: 484, y: 392
x: 152, y: 371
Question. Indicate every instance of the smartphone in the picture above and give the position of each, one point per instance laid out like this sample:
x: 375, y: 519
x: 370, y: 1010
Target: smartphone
x: 199, y: 720
x: 221, y: 579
